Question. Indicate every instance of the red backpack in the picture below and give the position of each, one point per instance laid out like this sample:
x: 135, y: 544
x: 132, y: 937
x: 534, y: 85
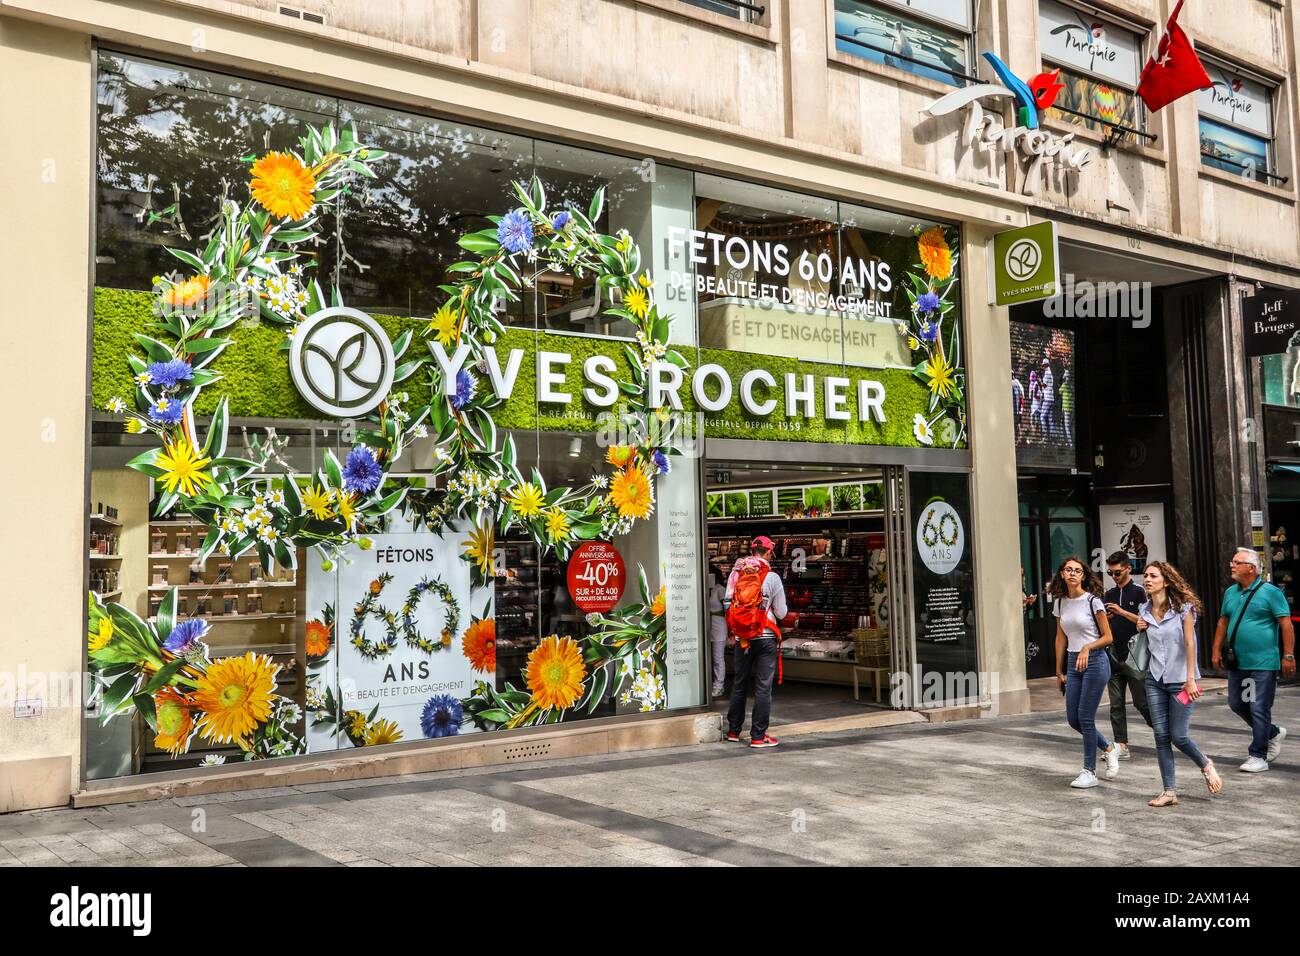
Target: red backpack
x: 747, y: 618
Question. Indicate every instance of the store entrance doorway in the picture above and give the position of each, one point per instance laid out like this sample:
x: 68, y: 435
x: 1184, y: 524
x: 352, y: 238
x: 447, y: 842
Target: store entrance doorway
x: 835, y: 529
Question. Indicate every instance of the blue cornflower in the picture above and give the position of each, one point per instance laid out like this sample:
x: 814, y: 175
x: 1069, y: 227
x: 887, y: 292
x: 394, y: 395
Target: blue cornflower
x: 361, y: 473
x: 170, y: 373
x: 466, y: 385
x: 662, y: 464
x: 929, y: 331
x: 167, y: 410
x: 515, y: 231
x: 927, y: 302
x: 185, y: 635
x: 560, y: 220
x: 441, y: 716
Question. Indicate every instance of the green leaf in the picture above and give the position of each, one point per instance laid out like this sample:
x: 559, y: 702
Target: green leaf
x: 166, y: 615
x: 164, y: 676
x: 214, y: 446
x: 191, y: 260
x: 333, y: 470
x: 118, y: 692
x: 156, y: 351
x: 597, y: 204
x: 645, y: 585
x: 200, y: 346
x: 479, y: 243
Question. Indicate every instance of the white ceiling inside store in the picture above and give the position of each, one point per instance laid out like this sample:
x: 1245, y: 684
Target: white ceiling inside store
x: 1100, y: 265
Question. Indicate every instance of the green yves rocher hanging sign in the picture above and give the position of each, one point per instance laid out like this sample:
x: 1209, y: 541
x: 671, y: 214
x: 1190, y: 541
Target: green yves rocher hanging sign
x: 1024, y: 265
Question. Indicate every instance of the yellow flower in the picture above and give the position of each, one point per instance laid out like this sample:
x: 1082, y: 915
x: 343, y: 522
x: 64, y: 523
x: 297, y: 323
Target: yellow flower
x: 134, y: 426
x: 912, y: 343
x: 317, y: 501
x: 479, y: 546
x: 942, y: 380
x: 187, y: 293
x: 636, y: 301
x: 660, y: 602
x: 446, y: 323
x: 99, y: 639
x: 235, y: 696
x: 382, y: 732
x: 630, y: 493
x: 283, y: 185
x: 182, y: 468
x: 527, y: 500
x: 357, y: 723
x: 936, y: 255
x: 347, y: 510
x: 557, y: 524
x: 645, y: 280
x: 175, y: 716
x: 620, y: 455
x: 555, y: 673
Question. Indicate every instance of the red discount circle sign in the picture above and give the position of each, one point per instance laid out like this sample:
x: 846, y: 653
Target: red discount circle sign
x: 596, y: 576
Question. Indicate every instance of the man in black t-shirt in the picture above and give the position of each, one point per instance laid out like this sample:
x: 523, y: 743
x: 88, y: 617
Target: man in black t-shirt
x: 1128, y: 595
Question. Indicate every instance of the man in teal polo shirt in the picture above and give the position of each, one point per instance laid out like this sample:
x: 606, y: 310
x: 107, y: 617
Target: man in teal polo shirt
x: 1252, y: 680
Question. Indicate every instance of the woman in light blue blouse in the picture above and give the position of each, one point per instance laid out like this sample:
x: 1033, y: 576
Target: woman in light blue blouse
x: 1169, y: 621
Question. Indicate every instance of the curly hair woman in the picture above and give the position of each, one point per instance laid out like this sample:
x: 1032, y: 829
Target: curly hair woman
x: 1082, y: 670
x: 1169, y: 620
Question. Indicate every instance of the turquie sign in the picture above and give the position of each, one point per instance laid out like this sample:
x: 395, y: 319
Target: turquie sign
x: 1040, y: 150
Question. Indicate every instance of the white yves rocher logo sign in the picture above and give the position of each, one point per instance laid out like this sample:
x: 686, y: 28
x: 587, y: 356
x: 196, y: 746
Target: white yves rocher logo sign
x: 940, y: 537
x: 1023, y: 260
x: 342, y: 362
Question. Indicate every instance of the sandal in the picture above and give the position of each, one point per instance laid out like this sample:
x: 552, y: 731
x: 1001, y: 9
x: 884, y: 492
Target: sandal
x: 1212, y: 778
x: 1167, y: 798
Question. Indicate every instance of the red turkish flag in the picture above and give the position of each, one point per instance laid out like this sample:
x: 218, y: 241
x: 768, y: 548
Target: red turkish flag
x: 1174, y: 71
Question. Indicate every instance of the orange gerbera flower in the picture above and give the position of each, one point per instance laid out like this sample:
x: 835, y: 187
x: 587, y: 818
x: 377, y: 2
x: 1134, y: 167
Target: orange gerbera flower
x: 190, y: 292
x: 620, y: 455
x: 660, y: 602
x: 318, y: 638
x: 936, y: 255
x: 175, y: 721
x: 235, y: 696
x: 630, y: 493
x: 283, y: 185
x: 480, y: 645
x: 555, y: 672
x: 376, y: 586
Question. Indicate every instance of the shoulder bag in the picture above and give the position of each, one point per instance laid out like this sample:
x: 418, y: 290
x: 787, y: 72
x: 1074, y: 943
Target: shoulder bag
x: 1230, y: 651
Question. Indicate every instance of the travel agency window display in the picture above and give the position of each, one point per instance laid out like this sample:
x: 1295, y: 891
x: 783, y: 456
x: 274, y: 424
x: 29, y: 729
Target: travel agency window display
x: 163, y: 667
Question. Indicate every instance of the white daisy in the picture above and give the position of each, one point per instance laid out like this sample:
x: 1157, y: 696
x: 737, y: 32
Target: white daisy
x: 116, y: 406
x: 922, y: 430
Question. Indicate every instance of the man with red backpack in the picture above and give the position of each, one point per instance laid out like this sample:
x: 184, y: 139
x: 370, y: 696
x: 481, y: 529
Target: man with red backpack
x: 755, y: 603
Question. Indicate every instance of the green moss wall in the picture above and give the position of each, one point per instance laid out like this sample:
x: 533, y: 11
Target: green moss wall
x: 256, y: 380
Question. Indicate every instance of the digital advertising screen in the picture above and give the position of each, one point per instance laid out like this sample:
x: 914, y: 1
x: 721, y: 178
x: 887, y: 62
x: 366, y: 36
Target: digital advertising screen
x: 1043, y: 396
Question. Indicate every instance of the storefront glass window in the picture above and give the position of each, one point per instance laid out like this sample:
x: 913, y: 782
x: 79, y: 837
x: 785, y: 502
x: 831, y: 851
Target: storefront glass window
x: 425, y: 624
x: 169, y: 142
x: 441, y: 180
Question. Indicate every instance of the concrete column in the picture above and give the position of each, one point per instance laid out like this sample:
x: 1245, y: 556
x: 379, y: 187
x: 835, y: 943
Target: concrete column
x: 502, y: 36
x: 807, y: 36
x: 46, y: 191
x: 993, y: 486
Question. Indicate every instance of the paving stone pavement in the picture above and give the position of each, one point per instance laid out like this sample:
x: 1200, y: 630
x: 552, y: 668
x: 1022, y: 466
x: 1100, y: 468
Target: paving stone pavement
x: 966, y: 793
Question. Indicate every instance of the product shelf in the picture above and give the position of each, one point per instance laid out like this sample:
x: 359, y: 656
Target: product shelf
x: 224, y: 585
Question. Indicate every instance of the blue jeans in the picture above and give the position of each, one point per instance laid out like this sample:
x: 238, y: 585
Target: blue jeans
x: 1171, y: 721
x: 1258, y: 710
x: 1083, y: 690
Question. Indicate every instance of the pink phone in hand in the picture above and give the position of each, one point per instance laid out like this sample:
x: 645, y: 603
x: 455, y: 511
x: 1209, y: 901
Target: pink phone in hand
x: 1184, y: 698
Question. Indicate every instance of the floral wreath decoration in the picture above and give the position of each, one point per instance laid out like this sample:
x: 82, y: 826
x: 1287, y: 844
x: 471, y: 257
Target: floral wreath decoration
x: 369, y: 607
x: 254, y: 248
